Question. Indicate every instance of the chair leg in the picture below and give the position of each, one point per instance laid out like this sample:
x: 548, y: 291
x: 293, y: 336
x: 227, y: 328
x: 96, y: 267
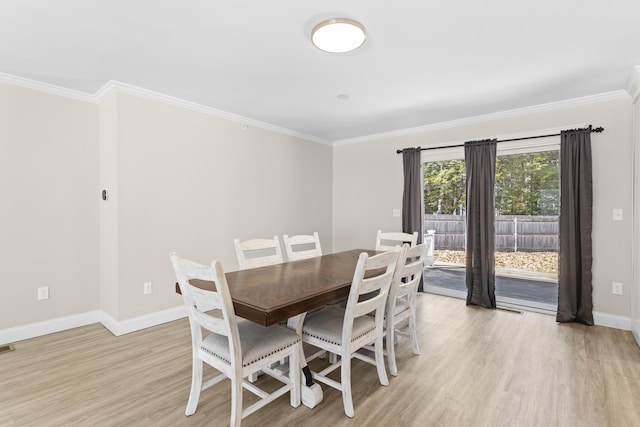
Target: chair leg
x: 379, y: 352
x: 345, y: 379
x: 391, y: 349
x: 196, y: 386
x: 295, y: 376
x: 415, y: 346
x: 236, y: 400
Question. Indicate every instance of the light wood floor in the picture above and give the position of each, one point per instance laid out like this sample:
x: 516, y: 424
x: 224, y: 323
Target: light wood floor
x: 478, y: 367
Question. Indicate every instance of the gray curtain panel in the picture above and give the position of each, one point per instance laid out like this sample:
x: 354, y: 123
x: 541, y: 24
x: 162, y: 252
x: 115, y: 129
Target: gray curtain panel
x: 412, y: 196
x: 576, y: 205
x: 480, y: 162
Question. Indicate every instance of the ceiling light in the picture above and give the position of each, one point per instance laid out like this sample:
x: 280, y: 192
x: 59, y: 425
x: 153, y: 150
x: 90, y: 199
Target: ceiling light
x: 338, y: 35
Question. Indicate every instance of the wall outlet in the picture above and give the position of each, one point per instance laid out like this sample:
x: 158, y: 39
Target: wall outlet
x: 148, y: 288
x: 616, y: 288
x: 43, y: 293
x: 617, y: 215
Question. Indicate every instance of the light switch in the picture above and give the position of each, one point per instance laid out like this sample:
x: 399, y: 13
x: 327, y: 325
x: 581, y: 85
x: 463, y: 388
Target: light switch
x: 617, y: 214
x: 396, y: 213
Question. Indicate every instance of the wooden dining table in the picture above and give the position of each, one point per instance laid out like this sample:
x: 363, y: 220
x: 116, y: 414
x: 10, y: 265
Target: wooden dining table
x: 286, y: 292
x: 276, y: 293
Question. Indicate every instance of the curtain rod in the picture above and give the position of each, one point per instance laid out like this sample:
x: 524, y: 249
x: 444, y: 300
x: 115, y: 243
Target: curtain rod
x: 596, y: 130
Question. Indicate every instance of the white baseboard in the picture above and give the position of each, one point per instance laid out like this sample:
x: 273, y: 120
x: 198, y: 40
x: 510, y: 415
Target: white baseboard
x: 32, y: 330
x: 600, y: 319
x: 37, y: 329
x: 122, y: 327
x: 612, y: 321
x: 19, y: 333
x: 635, y: 330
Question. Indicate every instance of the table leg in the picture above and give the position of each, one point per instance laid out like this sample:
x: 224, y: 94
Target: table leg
x: 311, y: 392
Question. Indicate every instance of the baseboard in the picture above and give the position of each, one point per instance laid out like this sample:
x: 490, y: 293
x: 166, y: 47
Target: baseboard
x: 117, y: 328
x: 37, y: 329
x: 635, y: 330
x: 600, y: 319
x: 122, y: 327
x: 612, y: 321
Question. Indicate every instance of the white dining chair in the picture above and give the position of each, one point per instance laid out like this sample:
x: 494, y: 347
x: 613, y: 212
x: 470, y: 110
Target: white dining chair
x: 302, y: 246
x: 400, y: 312
x: 388, y: 241
x: 343, y: 331
x: 258, y: 252
x: 235, y: 347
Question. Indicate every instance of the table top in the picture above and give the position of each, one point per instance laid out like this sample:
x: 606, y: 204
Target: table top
x: 271, y: 294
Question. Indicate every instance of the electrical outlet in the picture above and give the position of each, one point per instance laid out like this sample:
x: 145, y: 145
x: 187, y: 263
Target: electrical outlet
x: 43, y: 293
x: 616, y: 288
x: 618, y: 215
x: 148, y: 288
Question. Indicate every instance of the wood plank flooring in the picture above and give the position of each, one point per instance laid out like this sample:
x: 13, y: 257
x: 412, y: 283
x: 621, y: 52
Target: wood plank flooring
x: 478, y: 367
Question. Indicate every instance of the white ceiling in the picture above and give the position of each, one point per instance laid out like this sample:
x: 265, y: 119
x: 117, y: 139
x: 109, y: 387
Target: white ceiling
x: 424, y: 61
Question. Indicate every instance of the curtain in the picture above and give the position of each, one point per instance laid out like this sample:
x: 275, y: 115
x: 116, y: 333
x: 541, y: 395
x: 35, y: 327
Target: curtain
x: 412, y: 196
x: 480, y: 162
x: 576, y: 202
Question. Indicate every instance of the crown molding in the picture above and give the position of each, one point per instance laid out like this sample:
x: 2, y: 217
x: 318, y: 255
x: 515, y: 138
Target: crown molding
x: 112, y: 87
x: 633, y: 84
x: 552, y: 106
x: 119, y: 87
x: 46, y: 88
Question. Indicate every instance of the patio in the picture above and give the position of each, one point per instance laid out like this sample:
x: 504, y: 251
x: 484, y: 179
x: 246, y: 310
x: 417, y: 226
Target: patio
x: 514, y: 284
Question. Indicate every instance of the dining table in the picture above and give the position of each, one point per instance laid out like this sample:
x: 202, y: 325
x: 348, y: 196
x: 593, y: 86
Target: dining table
x: 286, y: 292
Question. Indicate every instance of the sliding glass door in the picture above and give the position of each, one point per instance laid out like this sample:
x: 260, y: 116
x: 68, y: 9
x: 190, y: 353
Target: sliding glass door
x: 527, y: 203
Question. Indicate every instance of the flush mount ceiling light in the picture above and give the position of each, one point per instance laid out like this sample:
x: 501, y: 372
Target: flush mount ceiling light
x: 338, y: 35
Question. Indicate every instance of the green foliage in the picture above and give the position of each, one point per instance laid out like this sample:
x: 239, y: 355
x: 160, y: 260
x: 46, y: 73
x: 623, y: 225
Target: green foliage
x: 526, y: 184
x: 444, y: 187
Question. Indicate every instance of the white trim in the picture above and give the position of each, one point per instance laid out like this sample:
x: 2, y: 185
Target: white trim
x: 438, y: 290
x: 122, y: 327
x: 19, y: 333
x: 612, y: 321
x: 46, y: 327
x: 633, y: 84
x: 113, y: 86
x: 552, y: 106
x: 635, y: 330
x: 46, y: 88
x: 119, y: 87
x: 600, y: 319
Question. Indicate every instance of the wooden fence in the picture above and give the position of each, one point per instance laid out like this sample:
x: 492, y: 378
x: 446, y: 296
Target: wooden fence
x: 513, y: 232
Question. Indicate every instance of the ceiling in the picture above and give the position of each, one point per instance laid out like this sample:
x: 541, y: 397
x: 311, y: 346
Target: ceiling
x: 424, y: 62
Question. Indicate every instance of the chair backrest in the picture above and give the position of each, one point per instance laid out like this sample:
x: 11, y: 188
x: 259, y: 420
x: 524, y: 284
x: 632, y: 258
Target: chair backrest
x: 294, y: 252
x: 200, y: 301
x: 372, y: 278
x: 388, y: 241
x: 256, y: 249
x: 407, y: 274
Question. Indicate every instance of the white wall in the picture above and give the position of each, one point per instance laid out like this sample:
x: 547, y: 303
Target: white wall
x: 635, y: 296
x: 191, y: 182
x: 49, y: 207
x: 178, y: 180
x: 367, y: 185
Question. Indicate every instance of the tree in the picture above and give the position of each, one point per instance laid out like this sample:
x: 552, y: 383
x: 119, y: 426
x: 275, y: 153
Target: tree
x: 444, y: 186
x: 526, y: 184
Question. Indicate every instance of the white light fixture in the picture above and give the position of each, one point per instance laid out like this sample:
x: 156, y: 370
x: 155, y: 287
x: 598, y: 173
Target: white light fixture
x: 338, y: 35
